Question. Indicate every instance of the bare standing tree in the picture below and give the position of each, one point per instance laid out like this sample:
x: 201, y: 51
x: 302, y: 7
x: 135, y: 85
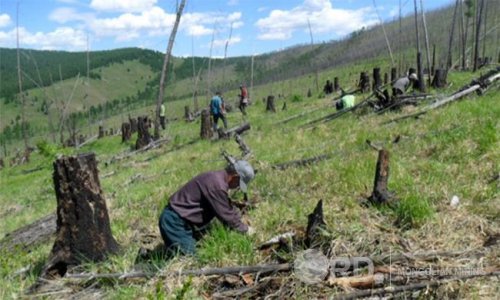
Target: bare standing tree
x: 225, y: 56
x: 421, y: 82
x: 428, y: 51
x: 316, y: 80
x: 164, y: 69
x: 478, y: 32
x: 20, y: 82
x: 385, y: 34
x: 450, y: 42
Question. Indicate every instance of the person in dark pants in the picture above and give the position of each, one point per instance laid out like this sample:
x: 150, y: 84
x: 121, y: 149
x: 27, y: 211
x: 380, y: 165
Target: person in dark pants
x: 243, y: 99
x: 217, y: 110
x: 402, y: 84
x: 205, y: 197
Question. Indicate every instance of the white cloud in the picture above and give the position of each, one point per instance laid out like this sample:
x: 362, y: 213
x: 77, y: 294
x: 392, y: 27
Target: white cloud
x: 129, y: 26
x: 66, y: 14
x: 281, y: 24
x: 232, y: 2
x: 63, y: 38
x: 122, y: 5
x: 4, y: 20
x: 222, y: 43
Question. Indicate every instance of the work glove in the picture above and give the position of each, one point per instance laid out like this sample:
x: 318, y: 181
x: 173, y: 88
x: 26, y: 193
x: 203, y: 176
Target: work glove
x: 251, y: 230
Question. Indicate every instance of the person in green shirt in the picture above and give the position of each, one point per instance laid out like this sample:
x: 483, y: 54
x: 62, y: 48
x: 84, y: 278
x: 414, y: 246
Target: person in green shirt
x: 162, y: 116
x: 346, y: 101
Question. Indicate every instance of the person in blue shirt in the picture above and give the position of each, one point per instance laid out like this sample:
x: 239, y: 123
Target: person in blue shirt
x: 217, y: 110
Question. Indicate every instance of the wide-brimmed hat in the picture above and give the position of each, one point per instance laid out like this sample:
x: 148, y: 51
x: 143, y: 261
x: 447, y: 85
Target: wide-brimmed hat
x: 413, y: 76
x: 246, y: 173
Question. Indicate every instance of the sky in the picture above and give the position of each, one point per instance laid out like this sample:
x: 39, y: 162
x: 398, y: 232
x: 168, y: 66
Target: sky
x: 248, y: 27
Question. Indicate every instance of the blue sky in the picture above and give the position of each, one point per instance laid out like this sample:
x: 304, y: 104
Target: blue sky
x: 258, y: 26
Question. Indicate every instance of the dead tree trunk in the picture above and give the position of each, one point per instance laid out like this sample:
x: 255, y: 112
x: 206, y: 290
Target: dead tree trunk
x: 270, y: 104
x: 380, y: 193
x: 166, y: 61
x: 386, y: 78
x: 83, y: 228
x: 126, y: 132
x: 187, y: 114
x: 450, y: 41
x: 315, y: 221
x: 478, y: 31
x: 377, y: 79
x: 143, y: 135
x: 364, y: 82
x: 420, y: 81
x: 439, y: 80
x: 394, y: 74
x: 133, y: 124
x: 206, y: 125
x: 336, y: 85
x: 101, y: 132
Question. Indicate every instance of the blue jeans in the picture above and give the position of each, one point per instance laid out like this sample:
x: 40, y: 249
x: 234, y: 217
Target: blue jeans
x: 176, y: 232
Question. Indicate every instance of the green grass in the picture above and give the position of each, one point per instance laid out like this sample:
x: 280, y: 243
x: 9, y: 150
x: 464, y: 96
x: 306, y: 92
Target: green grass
x: 454, y: 150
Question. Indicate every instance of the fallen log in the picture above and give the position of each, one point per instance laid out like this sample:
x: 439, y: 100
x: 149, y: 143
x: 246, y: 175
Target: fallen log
x: 410, y: 287
x: 302, y: 162
x: 202, y: 272
x: 30, y: 235
x: 475, y: 85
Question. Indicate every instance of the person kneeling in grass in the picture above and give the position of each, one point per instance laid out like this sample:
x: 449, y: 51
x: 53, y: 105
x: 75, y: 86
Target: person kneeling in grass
x: 346, y: 101
x: 192, y: 208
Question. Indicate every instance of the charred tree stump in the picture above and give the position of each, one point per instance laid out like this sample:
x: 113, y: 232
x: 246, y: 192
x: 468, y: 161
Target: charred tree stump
x: 315, y: 222
x: 270, y: 104
x: 143, y: 135
x: 111, y: 132
x: 439, y: 79
x: 83, y: 228
x: 133, y: 125
x: 394, y: 74
x: 377, y: 79
x: 126, y: 132
x: 420, y: 82
x: 2, y: 165
x: 336, y: 85
x: 380, y: 193
x: 101, y: 132
x: 284, y: 106
x: 386, y: 78
x: 364, y: 82
x: 309, y: 93
x: 188, y: 116
x: 206, y: 125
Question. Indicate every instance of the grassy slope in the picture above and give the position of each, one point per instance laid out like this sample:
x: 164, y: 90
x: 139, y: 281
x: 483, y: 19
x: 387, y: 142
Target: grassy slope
x: 118, y: 81
x: 451, y: 151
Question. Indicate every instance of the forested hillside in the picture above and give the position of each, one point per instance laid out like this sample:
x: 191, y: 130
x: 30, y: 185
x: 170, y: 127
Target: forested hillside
x: 203, y: 75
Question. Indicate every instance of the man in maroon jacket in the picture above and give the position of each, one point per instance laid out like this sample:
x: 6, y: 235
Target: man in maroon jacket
x: 199, y: 201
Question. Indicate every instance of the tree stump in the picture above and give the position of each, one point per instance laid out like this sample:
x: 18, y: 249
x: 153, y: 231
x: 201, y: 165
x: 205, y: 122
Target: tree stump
x: 83, y: 228
x: 439, y: 80
x: 364, y: 82
x: 111, y: 132
x: 336, y: 85
x: 143, y: 135
x: 380, y: 193
x: 2, y: 165
x: 377, y: 79
x: 206, y: 125
x: 386, y: 78
x: 126, y: 132
x: 284, y: 106
x: 101, y: 132
x: 133, y: 125
x: 270, y: 104
x: 309, y: 93
x: 394, y: 74
x: 315, y: 221
x: 187, y: 114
